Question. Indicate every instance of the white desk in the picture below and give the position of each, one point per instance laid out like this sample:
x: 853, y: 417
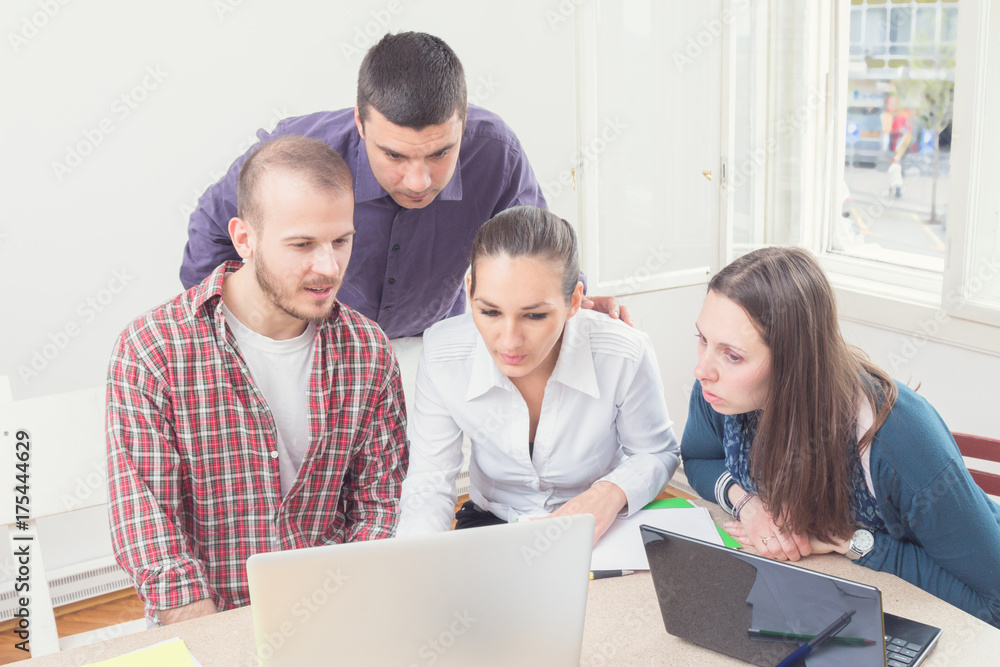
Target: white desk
x: 623, y: 627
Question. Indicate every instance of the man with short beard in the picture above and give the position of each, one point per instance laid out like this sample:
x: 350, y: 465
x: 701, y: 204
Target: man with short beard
x: 254, y: 412
x: 429, y: 170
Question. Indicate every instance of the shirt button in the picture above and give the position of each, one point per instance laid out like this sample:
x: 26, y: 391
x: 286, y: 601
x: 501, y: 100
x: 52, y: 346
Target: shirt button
x: 387, y: 309
x: 391, y: 281
x: 274, y: 455
x: 395, y: 246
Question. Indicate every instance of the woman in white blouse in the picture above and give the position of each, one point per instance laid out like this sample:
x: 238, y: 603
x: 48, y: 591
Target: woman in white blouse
x: 564, y: 407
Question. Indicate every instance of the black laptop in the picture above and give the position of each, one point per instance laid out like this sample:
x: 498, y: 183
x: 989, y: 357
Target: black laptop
x: 760, y: 610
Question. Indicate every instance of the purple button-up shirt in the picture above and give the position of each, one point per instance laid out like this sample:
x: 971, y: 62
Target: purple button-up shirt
x: 407, y: 265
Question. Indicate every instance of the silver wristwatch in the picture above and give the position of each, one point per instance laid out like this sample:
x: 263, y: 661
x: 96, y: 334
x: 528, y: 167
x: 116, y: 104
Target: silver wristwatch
x: 861, y: 543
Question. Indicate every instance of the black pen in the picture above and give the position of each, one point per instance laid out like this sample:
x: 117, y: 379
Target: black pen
x: 801, y: 652
x: 792, y: 638
x: 607, y: 574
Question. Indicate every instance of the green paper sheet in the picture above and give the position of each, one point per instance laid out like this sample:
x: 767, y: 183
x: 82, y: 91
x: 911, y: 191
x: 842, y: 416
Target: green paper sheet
x: 668, y: 503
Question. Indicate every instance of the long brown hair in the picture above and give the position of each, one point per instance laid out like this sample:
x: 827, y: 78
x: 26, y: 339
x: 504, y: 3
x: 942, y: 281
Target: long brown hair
x: 801, y: 459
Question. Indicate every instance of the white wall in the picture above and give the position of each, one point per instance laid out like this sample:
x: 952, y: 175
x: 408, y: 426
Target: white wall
x: 86, y: 248
x: 84, y: 251
x: 959, y: 383
x: 668, y: 317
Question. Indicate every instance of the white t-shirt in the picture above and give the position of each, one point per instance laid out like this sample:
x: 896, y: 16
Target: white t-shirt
x: 280, y: 370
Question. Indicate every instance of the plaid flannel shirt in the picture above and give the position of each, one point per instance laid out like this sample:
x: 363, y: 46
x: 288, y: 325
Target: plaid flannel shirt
x: 194, y: 488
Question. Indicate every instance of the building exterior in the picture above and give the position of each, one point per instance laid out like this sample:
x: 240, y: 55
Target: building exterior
x: 899, y: 52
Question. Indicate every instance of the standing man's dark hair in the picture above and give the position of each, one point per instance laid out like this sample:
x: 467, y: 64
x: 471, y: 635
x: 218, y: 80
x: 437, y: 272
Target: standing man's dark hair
x: 413, y: 79
x: 429, y: 168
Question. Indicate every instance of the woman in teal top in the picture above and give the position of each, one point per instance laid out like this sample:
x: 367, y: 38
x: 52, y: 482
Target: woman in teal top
x: 814, y: 449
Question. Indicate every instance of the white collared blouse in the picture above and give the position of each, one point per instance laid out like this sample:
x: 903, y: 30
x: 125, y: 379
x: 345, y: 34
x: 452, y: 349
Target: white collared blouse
x: 603, y: 418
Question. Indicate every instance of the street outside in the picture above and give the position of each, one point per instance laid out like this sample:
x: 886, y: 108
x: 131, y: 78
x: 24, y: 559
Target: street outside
x: 876, y: 217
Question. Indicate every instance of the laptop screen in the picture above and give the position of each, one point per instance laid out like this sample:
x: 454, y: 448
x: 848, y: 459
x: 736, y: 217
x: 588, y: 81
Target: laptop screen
x: 500, y: 595
x: 759, y: 610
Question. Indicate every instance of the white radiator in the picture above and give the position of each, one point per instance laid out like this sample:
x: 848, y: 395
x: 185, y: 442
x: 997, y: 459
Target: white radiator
x: 73, y: 583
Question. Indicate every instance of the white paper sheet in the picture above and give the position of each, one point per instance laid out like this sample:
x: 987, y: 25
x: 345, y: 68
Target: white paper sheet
x: 621, y: 547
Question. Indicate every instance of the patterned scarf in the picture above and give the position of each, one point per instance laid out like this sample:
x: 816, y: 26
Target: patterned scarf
x: 738, y: 434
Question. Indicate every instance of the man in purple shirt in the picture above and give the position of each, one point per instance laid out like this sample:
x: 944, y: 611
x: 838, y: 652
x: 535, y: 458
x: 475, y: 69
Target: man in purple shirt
x: 429, y: 169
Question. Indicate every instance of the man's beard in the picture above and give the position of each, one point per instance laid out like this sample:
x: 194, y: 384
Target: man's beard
x: 268, y: 285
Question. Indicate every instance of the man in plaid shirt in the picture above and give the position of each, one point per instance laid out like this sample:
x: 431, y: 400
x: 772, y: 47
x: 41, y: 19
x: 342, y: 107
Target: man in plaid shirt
x: 254, y: 412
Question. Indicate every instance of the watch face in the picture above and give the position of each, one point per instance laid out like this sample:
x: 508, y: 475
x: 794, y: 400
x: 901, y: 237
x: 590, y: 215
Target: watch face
x: 863, y: 540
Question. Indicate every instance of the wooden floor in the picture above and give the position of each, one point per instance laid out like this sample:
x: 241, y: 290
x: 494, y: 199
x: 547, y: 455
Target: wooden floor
x: 122, y: 606
x: 83, y: 616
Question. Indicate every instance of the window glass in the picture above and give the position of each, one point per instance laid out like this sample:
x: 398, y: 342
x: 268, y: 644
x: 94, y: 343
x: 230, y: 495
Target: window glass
x: 925, y: 31
x: 875, y: 31
x: 900, y: 30
x: 949, y: 24
x: 893, y: 202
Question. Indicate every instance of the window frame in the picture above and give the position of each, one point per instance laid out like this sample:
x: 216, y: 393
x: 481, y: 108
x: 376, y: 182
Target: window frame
x: 927, y: 303
x: 969, y: 199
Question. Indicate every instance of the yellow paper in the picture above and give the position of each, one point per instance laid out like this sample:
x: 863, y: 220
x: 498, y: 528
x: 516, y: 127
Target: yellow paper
x: 169, y: 654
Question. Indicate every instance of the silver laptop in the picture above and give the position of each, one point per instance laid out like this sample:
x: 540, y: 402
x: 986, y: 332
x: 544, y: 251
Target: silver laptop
x: 761, y: 610
x: 500, y: 595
